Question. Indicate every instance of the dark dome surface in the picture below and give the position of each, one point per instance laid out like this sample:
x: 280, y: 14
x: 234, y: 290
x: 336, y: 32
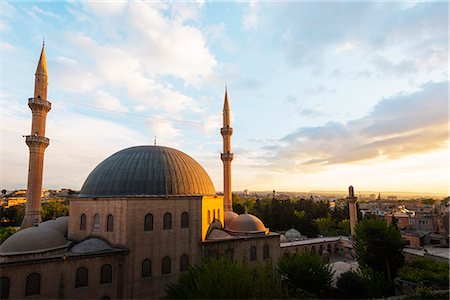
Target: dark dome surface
x: 147, y: 170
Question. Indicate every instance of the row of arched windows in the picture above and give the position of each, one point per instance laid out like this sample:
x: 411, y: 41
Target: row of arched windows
x: 253, y: 252
x: 148, y: 222
x: 33, y: 281
x: 82, y: 276
x: 213, y: 215
x: 167, y: 221
x: 166, y: 266
x: 109, y: 222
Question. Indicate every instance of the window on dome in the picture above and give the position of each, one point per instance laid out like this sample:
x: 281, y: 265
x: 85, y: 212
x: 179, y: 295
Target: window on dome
x: 266, y: 251
x: 110, y: 223
x: 185, y: 220
x: 184, y: 263
x: 4, y: 287
x: 148, y: 222
x: 167, y: 225
x: 82, y: 277
x: 253, y: 253
x: 83, y: 222
x: 33, y: 284
x: 166, y: 265
x: 146, y: 268
x: 106, y: 274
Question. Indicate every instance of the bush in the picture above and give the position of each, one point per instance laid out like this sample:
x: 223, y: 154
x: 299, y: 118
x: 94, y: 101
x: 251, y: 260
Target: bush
x: 352, y: 285
x: 426, y: 272
x: 226, y: 279
x: 307, y: 272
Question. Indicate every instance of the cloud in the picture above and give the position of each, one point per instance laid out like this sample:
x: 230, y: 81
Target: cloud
x: 108, y: 102
x: 250, y: 17
x: 398, y: 126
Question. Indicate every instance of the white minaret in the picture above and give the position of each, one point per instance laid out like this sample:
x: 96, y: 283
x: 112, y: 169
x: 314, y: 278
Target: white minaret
x: 226, y: 156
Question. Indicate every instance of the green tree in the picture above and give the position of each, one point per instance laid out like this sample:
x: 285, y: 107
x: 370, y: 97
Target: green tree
x: 226, y: 279
x: 6, y: 232
x: 379, y: 246
x: 54, y: 209
x: 352, y: 285
x: 305, y: 272
x: 426, y: 272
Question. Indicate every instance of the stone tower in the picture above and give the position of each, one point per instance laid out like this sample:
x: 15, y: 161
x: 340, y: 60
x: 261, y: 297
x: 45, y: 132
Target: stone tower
x: 352, y: 209
x: 226, y: 156
x: 37, y: 142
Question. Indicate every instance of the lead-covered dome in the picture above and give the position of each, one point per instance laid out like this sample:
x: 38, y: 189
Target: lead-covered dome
x: 148, y: 171
x: 247, y: 224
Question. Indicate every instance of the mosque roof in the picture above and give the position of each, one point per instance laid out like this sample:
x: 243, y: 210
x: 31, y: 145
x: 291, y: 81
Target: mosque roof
x: 293, y: 234
x: 91, y: 245
x: 59, y: 224
x: 148, y: 171
x: 32, y: 240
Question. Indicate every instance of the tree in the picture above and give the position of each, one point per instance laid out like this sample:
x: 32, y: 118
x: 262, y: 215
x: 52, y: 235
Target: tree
x: 379, y: 246
x: 226, y: 279
x: 352, y: 285
x: 426, y: 272
x: 6, y: 232
x: 54, y: 209
x: 305, y: 272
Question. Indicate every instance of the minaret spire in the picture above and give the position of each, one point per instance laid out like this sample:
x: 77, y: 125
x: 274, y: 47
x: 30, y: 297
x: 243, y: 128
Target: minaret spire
x: 226, y: 156
x: 37, y: 142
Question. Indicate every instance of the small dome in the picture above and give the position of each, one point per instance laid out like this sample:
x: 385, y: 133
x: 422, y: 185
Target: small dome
x: 247, y: 223
x: 59, y: 224
x: 217, y: 234
x: 228, y: 216
x: 148, y: 171
x: 90, y: 245
x: 33, y: 239
x: 293, y: 234
x: 283, y: 238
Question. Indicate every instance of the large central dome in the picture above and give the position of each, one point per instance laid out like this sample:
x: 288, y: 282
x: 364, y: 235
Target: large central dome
x: 148, y: 171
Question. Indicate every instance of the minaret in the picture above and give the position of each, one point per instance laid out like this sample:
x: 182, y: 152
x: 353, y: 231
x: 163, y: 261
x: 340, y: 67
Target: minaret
x: 37, y: 142
x: 352, y: 209
x: 226, y: 156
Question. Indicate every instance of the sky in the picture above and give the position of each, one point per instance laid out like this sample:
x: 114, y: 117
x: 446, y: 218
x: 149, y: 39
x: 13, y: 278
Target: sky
x: 322, y: 95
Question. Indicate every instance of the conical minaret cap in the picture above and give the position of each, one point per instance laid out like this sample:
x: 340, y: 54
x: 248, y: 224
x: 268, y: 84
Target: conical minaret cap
x: 226, y: 105
x: 42, y: 64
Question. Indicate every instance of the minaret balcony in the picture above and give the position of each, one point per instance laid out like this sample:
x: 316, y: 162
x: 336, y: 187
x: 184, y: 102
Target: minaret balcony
x: 39, y: 104
x: 226, y: 131
x: 39, y: 141
x: 227, y: 156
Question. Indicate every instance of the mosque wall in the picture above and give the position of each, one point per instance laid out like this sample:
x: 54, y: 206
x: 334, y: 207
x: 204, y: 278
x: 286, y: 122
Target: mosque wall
x: 212, y: 208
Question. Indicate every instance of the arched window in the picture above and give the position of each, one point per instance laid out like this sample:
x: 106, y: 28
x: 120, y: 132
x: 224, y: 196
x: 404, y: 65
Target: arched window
x: 214, y: 214
x: 185, y: 220
x: 184, y: 263
x: 110, y: 223
x: 266, y: 251
x: 166, y: 265
x: 96, y: 222
x: 253, y: 253
x: 82, y: 277
x: 209, y: 217
x: 148, y: 222
x: 229, y: 253
x: 83, y: 222
x: 106, y: 274
x: 167, y: 221
x: 4, y: 287
x: 33, y: 285
x: 146, y: 268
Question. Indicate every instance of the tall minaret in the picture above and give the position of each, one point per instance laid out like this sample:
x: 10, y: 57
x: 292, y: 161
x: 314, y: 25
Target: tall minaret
x: 352, y: 209
x: 37, y: 142
x: 226, y: 156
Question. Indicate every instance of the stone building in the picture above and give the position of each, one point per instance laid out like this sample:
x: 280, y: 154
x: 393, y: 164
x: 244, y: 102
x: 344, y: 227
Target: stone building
x: 143, y: 216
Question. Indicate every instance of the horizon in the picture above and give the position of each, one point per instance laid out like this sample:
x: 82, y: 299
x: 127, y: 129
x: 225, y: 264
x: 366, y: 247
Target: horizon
x: 350, y: 100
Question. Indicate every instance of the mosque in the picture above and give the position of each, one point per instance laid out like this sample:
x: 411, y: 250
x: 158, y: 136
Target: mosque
x: 143, y: 216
